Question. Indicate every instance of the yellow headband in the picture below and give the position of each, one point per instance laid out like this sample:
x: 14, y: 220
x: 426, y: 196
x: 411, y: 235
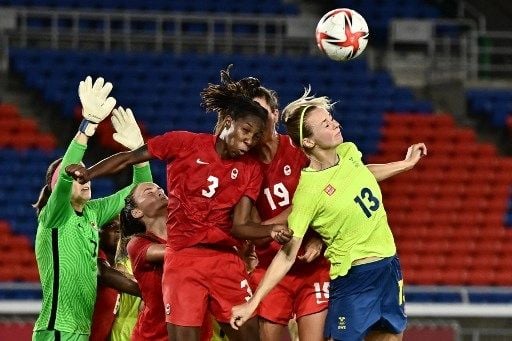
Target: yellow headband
x: 301, y: 123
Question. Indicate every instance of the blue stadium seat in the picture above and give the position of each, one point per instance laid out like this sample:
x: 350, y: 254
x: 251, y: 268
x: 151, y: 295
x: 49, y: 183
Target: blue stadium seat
x: 495, y: 106
x: 163, y: 89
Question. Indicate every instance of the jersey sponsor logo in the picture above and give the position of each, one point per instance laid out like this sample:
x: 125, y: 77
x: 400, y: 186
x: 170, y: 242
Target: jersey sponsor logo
x: 342, y: 323
x: 201, y: 162
x: 287, y: 170
x: 234, y: 173
x: 167, y: 309
x: 356, y: 163
x: 329, y: 189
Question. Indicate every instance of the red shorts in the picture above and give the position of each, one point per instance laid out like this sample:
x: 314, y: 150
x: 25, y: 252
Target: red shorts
x: 199, y: 279
x: 296, y: 295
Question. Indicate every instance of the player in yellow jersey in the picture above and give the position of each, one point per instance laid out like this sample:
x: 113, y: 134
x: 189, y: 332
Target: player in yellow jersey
x: 128, y: 306
x: 339, y: 197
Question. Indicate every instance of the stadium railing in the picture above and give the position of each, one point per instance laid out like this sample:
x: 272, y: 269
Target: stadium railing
x: 156, y: 31
x: 24, y: 298
x: 446, y: 49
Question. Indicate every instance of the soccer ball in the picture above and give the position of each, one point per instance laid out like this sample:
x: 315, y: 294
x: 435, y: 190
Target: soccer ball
x: 342, y: 34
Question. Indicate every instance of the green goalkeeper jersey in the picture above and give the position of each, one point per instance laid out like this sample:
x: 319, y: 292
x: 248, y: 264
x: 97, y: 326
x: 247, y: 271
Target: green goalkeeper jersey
x: 67, y: 248
x: 343, y: 204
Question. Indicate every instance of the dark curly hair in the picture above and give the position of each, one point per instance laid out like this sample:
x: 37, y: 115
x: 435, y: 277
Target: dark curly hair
x: 230, y: 99
x: 251, y: 87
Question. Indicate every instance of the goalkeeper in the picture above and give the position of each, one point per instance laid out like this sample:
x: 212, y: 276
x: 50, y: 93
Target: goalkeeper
x: 68, y: 221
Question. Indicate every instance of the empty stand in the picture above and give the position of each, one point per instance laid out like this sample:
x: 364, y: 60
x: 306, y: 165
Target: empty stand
x: 163, y: 89
x: 378, y: 16
x: 448, y: 214
x: 18, y: 262
x: 22, y: 133
x: 220, y: 6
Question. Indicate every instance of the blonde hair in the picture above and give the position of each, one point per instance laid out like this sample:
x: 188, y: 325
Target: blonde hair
x: 295, y: 114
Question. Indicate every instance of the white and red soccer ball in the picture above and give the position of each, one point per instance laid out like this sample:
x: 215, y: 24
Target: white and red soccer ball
x: 342, y: 34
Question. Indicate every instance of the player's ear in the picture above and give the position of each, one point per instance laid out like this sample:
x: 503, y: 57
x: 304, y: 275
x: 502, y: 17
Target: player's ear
x: 228, y: 121
x: 136, y: 213
x: 308, y: 143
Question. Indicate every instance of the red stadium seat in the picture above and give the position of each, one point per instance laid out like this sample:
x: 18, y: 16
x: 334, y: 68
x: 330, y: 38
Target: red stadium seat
x: 449, y: 212
x: 485, y: 260
x: 457, y: 277
x: 484, y: 276
x: 459, y: 262
x: 9, y: 110
x: 503, y: 278
x: 432, y: 261
x: 465, y: 136
x: 425, y: 277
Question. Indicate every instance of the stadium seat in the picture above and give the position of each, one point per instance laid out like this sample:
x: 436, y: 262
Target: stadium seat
x: 441, y: 212
x: 462, y: 189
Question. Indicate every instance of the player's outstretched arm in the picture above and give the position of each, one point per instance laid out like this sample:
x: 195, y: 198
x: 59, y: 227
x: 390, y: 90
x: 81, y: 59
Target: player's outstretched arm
x: 96, y: 105
x: 386, y: 170
x: 110, y: 165
x: 280, y: 265
x: 281, y: 218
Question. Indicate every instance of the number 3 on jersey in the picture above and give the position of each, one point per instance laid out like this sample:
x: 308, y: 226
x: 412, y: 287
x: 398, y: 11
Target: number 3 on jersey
x: 212, y: 186
x: 365, y: 198
x: 281, y: 192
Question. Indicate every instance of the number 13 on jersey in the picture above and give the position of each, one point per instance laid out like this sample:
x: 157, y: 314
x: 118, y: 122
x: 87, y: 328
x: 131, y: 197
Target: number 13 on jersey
x: 367, y: 201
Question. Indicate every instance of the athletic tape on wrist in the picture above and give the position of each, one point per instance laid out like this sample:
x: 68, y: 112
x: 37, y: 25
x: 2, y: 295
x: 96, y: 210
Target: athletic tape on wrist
x: 87, y: 127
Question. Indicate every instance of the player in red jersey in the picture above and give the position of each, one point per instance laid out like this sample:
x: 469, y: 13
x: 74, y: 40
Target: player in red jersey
x: 143, y: 224
x: 106, y: 297
x: 143, y: 217
x: 211, y: 182
x: 304, y: 291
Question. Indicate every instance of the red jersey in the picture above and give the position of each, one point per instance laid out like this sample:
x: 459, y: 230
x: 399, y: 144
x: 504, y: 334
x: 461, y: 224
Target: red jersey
x: 280, y: 180
x: 103, y: 316
x: 151, y: 320
x: 202, y: 188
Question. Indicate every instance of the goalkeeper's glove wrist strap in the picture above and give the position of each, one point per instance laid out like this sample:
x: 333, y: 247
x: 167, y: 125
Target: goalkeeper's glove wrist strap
x: 139, y: 144
x: 87, y: 127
